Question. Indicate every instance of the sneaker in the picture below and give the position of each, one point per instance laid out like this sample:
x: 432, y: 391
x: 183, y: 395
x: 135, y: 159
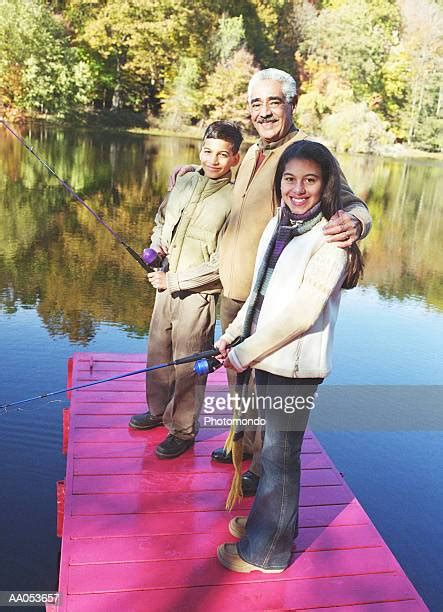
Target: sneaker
x: 145, y: 421
x: 228, y: 556
x: 173, y: 447
x: 237, y: 526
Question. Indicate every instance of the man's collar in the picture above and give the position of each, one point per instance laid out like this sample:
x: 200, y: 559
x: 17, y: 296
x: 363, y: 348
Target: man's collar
x: 269, y: 146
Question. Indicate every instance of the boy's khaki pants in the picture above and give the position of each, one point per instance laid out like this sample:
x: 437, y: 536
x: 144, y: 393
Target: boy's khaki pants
x: 180, y: 325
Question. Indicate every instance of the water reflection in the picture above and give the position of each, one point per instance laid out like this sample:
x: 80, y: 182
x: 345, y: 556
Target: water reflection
x: 55, y: 257
x: 403, y: 251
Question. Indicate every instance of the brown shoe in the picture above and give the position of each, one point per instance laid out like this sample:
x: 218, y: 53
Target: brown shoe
x: 172, y: 447
x: 237, y: 526
x: 228, y: 556
x: 145, y: 421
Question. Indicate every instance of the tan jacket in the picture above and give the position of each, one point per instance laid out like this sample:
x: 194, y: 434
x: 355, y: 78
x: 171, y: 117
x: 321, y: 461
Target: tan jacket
x: 188, y: 226
x: 252, y: 208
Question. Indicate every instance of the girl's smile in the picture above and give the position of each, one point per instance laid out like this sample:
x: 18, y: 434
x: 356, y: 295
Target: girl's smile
x: 301, y: 185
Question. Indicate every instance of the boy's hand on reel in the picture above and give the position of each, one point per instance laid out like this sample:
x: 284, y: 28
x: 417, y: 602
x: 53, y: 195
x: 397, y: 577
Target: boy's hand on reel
x: 161, y: 250
x: 158, y: 280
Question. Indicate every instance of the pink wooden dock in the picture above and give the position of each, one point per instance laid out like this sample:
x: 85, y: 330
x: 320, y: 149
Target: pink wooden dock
x: 140, y: 534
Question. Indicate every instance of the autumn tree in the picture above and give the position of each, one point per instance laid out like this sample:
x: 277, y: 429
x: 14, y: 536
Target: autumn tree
x: 423, y: 44
x: 224, y: 95
x: 38, y: 69
x: 140, y: 43
x: 356, y: 36
x: 182, y: 98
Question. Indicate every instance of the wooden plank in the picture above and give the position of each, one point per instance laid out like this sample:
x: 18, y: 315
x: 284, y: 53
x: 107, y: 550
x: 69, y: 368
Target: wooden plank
x: 144, y: 483
x: 202, y: 545
x: 100, y: 395
x: 115, y: 525
x: 151, y: 463
x: 200, y: 454
x: 114, y: 577
x: 109, y: 479
x: 127, y: 434
x: 409, y: 605
x: 217, y: 378
x: 291, y: 595
x: 108, y: 503
x: 110, y: 408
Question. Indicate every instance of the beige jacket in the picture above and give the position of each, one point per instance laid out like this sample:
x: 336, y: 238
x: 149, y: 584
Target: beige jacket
x: 252, y: 208
x: 188, y: 226
x: 295, y: 327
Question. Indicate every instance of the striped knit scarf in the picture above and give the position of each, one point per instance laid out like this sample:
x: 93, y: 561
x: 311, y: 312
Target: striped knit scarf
x: 289, y: 226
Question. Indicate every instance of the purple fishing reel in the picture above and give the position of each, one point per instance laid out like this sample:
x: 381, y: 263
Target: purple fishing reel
x: 206, y: 366
x: 152, y: 258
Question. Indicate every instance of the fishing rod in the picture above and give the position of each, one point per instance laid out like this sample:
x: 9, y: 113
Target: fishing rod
x: 205, y: 363
x: 140, y: 260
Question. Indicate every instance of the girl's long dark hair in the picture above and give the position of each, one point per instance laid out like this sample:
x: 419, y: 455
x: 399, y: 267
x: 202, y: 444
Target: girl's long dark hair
x: 330, y: 199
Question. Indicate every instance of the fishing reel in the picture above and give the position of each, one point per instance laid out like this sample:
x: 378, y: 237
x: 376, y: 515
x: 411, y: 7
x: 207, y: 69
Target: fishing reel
x: 152, y: 258
x: 207, y: 366
x: 209, y: 363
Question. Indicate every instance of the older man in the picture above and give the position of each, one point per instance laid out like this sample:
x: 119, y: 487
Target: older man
x: 272, y: 98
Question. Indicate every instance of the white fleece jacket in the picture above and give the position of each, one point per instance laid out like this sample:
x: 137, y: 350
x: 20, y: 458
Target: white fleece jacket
x: 296, y: 323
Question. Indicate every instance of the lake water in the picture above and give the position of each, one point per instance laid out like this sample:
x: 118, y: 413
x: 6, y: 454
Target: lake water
x: 66, y: 286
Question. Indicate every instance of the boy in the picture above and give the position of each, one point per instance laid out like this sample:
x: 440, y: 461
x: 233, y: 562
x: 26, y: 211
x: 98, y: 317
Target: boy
x: 188, y: 229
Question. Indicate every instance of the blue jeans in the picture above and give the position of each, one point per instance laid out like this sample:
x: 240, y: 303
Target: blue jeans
x: 272, y: 523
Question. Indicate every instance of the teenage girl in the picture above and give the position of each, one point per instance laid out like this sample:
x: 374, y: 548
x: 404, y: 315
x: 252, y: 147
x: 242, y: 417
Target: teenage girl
x: 287, y: 326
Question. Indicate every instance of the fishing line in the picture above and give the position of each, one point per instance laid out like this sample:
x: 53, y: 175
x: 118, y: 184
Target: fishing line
x: 69, y: 189
x: 205, y: 363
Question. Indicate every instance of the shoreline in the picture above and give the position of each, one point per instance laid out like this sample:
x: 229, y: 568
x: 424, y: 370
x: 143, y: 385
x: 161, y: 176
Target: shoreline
x: 396, y: 151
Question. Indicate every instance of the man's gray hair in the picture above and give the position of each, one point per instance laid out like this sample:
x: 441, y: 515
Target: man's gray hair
x: 289, y: 86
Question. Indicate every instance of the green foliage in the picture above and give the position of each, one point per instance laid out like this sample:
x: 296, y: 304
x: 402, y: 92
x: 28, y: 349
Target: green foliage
x: 396, y: 74
x: 293, y: 29
x: 232, y: 64
x: 355, y: 129
x: 327, y: 93
x: 205, y: 96
x: 357, y: 35
x: 423, y: 42
x: 139, y: 43
x: 182, y: 101
x: 38, y: 69
x: 383, y: 53
x: 218, y: 102
x: 261, y: 19
x: 227, y: 39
